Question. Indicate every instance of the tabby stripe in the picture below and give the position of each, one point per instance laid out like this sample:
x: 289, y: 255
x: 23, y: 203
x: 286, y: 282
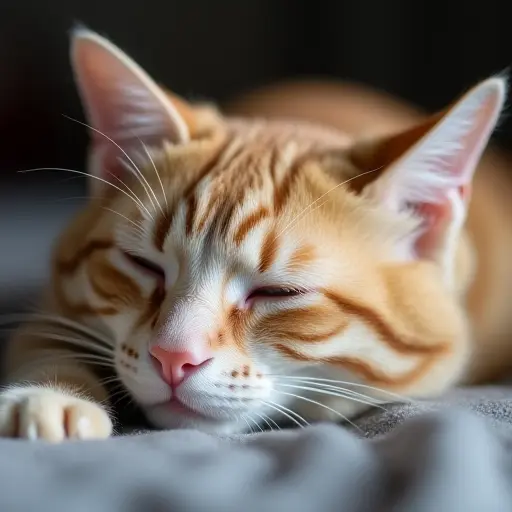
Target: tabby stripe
x: 282, y: 191
x: 249, y: 223
x: 210, y: 165
x: 164, y: 222
x: 310, y: 337
x: 286, y: 324
x: 301, y: 257
x: 153, y: 308
x: 385, y: 333
x: 111, y: 284
x: 268, y: 251
x: 67, y: 267
x: 191, y: 211
x: 364, y: 369
x: 273, y: 162
x: 237, y: 324
x: 207, y: 214
x: 80, y: 309
x: 162, y: 228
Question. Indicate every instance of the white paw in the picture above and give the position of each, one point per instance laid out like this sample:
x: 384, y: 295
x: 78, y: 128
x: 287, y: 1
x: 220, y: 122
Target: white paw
x: 33, y: 412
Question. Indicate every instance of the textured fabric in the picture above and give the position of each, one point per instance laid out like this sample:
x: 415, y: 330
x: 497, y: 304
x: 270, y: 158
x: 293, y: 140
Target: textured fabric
x: 442, y: 460
x: 494, y: 403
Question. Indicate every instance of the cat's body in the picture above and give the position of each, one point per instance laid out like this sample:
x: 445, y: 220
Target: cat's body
x: 239, y: 269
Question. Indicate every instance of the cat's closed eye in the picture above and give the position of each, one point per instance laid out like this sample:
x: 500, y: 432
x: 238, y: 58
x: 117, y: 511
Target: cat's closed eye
x: 145, y: 265
x: 274, y: 292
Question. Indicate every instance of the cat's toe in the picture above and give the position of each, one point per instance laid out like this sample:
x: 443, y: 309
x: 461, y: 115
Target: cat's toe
x: 51, y: 415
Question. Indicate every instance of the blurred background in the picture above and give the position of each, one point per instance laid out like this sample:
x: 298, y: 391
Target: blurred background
x: 425, y: 52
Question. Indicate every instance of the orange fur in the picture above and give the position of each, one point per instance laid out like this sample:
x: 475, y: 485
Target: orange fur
x: 362, y: 111
x: 229, y: 205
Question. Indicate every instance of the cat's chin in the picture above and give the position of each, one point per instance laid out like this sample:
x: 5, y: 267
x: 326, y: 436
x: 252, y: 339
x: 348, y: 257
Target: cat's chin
x: 175, y: 416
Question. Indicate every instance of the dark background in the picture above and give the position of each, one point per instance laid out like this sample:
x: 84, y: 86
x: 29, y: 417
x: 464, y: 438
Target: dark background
x: 426, y: 52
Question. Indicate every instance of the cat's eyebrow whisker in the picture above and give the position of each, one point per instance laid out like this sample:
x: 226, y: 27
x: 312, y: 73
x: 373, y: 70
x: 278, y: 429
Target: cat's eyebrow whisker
x: 299, y: 397
x: 286, y: 412
x: 305, y: 210
x: 340, y: 394
x: 99, y: 132
x: 348, y: 383
x: 81, y: 173
x: 141, y: 179
x: 130, y: 190
x: 156, y: 172
x: 137, y: 225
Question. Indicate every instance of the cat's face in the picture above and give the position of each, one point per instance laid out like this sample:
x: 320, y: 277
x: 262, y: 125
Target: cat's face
x: 233, y: 266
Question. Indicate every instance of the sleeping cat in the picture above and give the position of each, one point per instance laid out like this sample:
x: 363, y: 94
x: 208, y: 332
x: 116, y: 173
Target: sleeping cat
x: 235, y: 272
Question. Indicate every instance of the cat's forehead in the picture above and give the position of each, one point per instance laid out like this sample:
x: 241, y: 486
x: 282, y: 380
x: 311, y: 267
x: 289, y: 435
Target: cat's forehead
x: 249, y: 187
x: 250, y: 160
x: 262, y: 165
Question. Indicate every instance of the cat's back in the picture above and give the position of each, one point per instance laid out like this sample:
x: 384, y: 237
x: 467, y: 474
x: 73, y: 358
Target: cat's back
x: 362, y: 112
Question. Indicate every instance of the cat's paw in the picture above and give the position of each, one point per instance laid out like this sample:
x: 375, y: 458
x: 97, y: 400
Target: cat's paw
x: 53, y: 415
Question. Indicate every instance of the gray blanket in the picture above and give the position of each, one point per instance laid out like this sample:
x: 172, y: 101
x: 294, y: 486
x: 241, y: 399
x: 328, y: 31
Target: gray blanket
x: 447, y: 456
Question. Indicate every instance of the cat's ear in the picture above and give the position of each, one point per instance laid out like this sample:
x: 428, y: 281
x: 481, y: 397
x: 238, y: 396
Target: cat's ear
x: 122, y: 103
x: 429, y: 168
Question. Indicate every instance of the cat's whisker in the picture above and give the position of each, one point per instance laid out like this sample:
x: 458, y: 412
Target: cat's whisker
x: 81, y: 173
x: 119, y: 395
x: 137, y: 225
x: 340, y: 394
x: 60, y: 322
x: 130, y: 190
x: 157, y: 173
x: 305, y: 210
x: 76, y: 326
x: 334, y: 411
x: 110, y: 380
x: 79, y: 342
x: 140, y: 178
x: 268, y: 420
x: 51, y: 360
x: 286, y: 412
x: 271, y: 421
x: 58, y: 356
x: 348, y: 383
x: 99, y: 132
x: 250, y: 418
x: 248, y: 424
x: 351, y: 392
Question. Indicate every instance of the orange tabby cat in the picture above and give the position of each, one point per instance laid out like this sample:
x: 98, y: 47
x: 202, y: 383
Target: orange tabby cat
x: 230, y: 271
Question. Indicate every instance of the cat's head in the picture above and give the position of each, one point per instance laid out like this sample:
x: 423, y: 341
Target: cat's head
x: 233, y: 260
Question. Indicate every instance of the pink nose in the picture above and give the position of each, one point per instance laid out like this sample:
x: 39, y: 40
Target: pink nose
x: 175, y: 367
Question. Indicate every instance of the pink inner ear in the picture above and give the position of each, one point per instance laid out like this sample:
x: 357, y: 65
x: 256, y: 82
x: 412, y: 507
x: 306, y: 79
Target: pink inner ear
x: 436, y: 216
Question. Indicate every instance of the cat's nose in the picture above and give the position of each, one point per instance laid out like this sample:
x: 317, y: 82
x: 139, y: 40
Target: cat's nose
x: 175, y: 367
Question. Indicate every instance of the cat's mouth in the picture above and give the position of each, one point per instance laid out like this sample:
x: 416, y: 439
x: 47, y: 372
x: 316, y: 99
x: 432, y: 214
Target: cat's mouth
x: 177, y: 406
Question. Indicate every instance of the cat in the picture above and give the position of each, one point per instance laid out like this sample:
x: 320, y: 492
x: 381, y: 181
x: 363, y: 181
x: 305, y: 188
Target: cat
x: 230, y: 272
